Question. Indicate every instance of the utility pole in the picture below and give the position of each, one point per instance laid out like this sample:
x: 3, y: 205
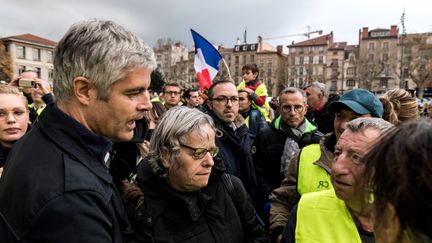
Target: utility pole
x: 402, y: 73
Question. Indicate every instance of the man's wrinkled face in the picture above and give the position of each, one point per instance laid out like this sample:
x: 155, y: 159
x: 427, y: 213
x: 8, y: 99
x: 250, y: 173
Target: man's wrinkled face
x: 348, y: 168
x: 292, y: 108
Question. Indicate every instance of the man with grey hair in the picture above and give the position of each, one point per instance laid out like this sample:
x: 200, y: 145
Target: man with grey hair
x: 345, y: 212
x: 56, y: 186
x: 277, y: 143
x: 317, y: 99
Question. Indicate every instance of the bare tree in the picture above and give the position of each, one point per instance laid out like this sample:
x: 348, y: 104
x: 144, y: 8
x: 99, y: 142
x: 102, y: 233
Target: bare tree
x: 417, y: 63
x: 6, y: 70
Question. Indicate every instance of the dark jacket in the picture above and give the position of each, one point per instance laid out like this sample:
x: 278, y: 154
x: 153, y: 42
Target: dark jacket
x: 235, y: 151
x: 4, y: 152
x: 267, y: 158
x: 322, y: 118
x: 206, y: 215
x: 56, y: 188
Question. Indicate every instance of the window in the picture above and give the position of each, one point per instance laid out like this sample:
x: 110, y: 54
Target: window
x: 350, y: 83
x: 335, y: 53
x: 36, y: 54
x: 38, y: 71
x: 301, y: 60
x: 311, y: 59
x: 383, y: 83
x: 321, y: 60
x: 371, y: 57
x: 20, y: 52
x: 301, y: 70
x: 293, y: 71
x: 252, y: 58
x: 351, y: 71
x: 385, y: 57
x: 236, y: 59
x: 385, y: 45
x: 51, y: 75
x: 21, y: 69
x: 334, y: 62
x: 371, y: 46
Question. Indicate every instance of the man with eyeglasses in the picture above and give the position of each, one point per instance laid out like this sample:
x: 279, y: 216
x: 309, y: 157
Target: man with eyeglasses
x: 232, y: 136
x: 309, y: 170
x: 171, y: 93
x: 291, y: 130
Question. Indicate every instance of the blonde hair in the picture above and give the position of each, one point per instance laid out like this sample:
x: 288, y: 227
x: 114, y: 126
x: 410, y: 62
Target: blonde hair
x: 6, y: 89
x: 399, y: 106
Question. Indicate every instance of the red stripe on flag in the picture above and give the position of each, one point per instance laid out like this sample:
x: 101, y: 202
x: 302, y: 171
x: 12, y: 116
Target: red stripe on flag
x: 204, y: 79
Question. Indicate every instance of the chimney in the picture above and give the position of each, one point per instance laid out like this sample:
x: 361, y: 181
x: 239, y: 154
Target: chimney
x: 365, y: 32
x: 393, y: 30
x: 279, y: 49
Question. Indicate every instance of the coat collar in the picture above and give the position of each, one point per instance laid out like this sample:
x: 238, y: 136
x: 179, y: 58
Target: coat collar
x: 75, y: 140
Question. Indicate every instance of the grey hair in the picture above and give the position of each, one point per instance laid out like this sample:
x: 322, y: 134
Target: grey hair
x: 171, y: 131
x: 293, y: 90
x: 363, y: 123
x: 319, y: 88
x: 101, y: 51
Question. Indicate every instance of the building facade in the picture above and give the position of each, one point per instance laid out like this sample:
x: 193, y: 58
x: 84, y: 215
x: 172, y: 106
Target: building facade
x: 378, y: 59
x: 334, y: 72
x: 32, y: 52
x: 270, y: 61
x: 307, y: 61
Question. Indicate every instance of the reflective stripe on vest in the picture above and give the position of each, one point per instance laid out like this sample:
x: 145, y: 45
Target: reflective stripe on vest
x: 323, y: 217
x: 261, y: 90
x: 311, y: 177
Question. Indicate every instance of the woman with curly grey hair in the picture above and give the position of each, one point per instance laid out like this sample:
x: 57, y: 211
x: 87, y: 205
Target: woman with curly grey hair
x: 182, y: 194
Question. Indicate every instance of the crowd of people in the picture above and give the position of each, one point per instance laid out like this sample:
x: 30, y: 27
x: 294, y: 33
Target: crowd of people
x: 94, y: 158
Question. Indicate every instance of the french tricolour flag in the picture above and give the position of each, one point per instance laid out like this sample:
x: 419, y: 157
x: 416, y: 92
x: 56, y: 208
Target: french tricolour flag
x: 206, y: 60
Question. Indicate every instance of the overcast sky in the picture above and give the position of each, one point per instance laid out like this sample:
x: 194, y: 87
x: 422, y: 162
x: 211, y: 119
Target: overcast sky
x: 220, y: 21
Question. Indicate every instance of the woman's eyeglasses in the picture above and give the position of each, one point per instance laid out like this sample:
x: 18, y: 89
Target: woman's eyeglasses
x: 199, y: 153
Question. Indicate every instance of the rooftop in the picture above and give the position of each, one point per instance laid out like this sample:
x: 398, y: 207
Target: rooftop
x: 31, y: 38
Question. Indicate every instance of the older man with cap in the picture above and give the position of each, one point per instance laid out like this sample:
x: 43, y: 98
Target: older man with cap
x: 309, y: 170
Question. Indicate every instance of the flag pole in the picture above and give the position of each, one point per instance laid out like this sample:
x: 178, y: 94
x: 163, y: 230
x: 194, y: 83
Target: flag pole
x: 229, y: 73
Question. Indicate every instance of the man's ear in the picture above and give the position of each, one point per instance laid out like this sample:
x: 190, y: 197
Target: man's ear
x: 209, y: 104
x: 83, y: 90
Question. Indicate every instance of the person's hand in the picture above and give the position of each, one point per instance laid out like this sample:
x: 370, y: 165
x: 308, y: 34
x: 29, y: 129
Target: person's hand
x: 43, y: 86
x: 1, y: 171
x: 144, y: 148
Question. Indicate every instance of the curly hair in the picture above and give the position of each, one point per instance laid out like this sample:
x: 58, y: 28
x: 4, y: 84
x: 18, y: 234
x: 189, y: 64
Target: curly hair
x: 399, y: 106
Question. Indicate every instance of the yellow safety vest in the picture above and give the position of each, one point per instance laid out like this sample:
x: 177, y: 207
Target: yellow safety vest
x: 38, y: 111
x: 323, y: 217
x: 261, y: 90
x: 311, y: 177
